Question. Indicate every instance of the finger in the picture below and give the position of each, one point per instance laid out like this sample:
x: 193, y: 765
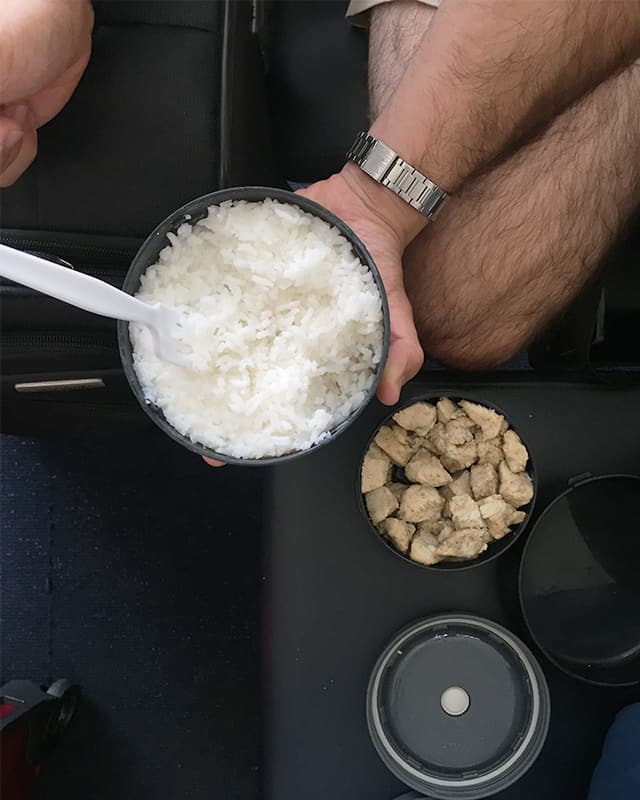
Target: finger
x: 14, y: 121
x: 10, y: 144
x: 18, y: 142
x: 21, y: 160
x: 212, y: 462
x: 405, y: 353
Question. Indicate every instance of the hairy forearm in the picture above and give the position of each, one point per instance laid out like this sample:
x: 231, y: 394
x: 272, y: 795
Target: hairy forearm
x: 395, y: 32
x: 488, y: 73
x: 522, y: 240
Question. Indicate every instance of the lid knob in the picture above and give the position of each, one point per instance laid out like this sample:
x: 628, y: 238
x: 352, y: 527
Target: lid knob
x: 454, y: 701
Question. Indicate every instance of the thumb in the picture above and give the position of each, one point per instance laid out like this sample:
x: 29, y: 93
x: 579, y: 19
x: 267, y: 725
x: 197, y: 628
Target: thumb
x: 405, y: 353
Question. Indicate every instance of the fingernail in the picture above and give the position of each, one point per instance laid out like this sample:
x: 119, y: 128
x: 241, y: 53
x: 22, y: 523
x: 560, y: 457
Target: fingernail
x: 10, y: 147
x: 212, y: 463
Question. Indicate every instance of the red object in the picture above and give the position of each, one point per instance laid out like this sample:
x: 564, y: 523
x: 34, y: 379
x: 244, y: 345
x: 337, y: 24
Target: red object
x: 6, y: 709
x: 17, y: 776
x: 31, y: 722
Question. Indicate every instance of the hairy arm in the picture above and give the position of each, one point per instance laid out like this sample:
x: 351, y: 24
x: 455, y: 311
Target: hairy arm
x: 395, y: 32
x: 488, y: 73
x: 482, y: 76
x: 523, y: 239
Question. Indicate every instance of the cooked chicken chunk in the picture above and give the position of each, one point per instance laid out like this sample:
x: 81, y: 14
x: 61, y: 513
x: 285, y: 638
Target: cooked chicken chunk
x: 460, y: 484
x: 395, y: 444
x: 376, y: 469
x: 458, y: 431
x: 427, y: 538
x: 490, y: 452
x: 423, y: 549
x: 418, y: 417
x: 426, y: 443
x: 515, y: 452
x: 446, y: 531
x: 375, y: 452
x: 432, y: 527
x: 484, y: 480
x: 397, y: 489
x: 467, y: 543
x: 426, y: 468
x: 380, y: 504
x: 489, y: 420
x: 459, y: 457
x: 438, y: 438
x: 454, y: 444
x: 398, y: 532
x: 447, y: 409
x: 416, y: 442
x: 435, y: 528
x: 494, y: 512
x: 514, y: 517
x: 499, y: 515
x: 465, y: 512
x: 516, y: 488
x: 421, y: 503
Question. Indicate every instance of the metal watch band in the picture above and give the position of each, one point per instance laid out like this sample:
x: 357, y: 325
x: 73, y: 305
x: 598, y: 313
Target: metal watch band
x: 385, y: 166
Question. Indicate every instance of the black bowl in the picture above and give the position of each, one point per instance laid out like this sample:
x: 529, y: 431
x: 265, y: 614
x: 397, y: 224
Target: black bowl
x: 578, y: 584
x: 148, y: 254
x: 495, y: 548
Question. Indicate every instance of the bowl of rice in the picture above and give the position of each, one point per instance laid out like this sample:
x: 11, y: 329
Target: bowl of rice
x: 285, y: 323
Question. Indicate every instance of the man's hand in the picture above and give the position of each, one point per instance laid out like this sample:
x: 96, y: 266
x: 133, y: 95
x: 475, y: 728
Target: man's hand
x: 44, y: 49
x: 386, y: 225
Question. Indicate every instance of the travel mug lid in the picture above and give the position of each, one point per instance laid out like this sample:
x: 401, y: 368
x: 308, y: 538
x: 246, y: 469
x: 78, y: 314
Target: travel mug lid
x: 457, y: 707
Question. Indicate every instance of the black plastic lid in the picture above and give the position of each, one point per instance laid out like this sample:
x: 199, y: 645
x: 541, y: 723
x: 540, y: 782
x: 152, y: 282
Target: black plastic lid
x: 457, y: 707
x: 580, y: 580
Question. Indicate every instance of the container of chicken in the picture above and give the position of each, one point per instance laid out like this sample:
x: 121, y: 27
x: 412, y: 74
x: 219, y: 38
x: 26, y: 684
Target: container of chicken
x: 446, y: 483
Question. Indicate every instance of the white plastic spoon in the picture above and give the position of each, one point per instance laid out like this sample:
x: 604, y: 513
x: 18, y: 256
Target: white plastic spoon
x: 93, y: 295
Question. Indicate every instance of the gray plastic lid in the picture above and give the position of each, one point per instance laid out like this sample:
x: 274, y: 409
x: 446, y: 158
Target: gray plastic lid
x: 457, y: 707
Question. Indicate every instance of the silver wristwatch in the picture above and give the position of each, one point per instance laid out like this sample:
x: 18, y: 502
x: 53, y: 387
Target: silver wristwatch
x: 385, y: 166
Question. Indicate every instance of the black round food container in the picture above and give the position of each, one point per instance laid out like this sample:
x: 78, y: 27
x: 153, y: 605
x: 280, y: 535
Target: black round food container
x: 496, y: 547
x: 192, y: 213
x: 457, y: 707
x: 580, y: 580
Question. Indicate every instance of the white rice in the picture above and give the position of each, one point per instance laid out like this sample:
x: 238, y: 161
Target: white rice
x: 285, y: 328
